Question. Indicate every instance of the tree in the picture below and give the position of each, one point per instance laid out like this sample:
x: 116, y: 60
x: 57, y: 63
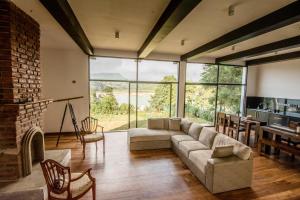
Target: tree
x: 160, y: 101
x: 107, y: 104
x: 228, y: 96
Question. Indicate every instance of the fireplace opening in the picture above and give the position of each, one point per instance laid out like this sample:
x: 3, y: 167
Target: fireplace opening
x: 36, y: 148
x: 33, y: 149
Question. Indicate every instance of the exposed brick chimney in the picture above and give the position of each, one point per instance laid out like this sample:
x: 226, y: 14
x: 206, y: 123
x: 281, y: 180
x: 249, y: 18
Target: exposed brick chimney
x: 21, y: 105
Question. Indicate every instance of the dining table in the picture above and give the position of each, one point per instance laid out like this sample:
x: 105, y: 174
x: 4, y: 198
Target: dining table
x: 248, y: 123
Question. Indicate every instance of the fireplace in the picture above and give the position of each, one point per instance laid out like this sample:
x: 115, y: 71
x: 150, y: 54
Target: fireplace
x: 33, y: 149
x: 21, y: 104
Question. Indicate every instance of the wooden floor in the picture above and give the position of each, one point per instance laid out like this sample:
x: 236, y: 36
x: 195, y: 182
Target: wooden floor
x: 159, y: 174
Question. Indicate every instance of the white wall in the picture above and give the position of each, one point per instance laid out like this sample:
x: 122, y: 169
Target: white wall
x: 281, y: 80
x: 59, y: 68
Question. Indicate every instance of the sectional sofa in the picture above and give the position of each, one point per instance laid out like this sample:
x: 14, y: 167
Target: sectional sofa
x: 218, y: 161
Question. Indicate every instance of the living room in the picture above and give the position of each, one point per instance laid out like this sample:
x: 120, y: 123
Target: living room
x: 145, y: 92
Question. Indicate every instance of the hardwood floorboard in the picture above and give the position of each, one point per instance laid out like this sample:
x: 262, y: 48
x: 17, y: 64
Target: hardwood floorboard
x: 159, y: 174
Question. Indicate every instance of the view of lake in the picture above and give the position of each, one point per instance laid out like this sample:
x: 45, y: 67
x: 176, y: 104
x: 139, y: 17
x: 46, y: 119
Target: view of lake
x: 122, y: 97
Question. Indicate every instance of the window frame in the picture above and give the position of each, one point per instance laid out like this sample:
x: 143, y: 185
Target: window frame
x: 217, y: 84
x: 136, y: 81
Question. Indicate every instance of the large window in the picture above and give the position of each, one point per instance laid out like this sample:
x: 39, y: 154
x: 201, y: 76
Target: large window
x: 213, y: 88
x: 124, y: 93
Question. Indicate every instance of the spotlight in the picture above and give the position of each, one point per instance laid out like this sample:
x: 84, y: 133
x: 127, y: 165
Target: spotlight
x: 182, y: 42
x: 231, y: 10
x: 117, y: 34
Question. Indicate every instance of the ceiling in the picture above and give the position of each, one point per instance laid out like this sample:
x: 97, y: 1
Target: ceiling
x: 134, y: 19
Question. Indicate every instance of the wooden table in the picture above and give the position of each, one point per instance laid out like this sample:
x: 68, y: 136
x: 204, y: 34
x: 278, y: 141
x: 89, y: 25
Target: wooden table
x: 247, y: 124
x: 271, y: 137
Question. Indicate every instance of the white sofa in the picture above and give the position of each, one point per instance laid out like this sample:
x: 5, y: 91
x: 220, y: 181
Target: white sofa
x: 195, y: 145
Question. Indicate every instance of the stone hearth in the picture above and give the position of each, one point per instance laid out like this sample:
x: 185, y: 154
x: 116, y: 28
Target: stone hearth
x: 33, y: 185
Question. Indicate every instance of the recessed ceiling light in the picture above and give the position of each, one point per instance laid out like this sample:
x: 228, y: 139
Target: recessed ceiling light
x: 231, y: 10
x: 117, y: 34
x: 182, y: 42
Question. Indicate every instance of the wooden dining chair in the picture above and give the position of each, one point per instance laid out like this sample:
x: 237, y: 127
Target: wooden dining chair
x: 64, y: 185
x: 221, y: 122
x: 89, y: 133
x: 234, y: 126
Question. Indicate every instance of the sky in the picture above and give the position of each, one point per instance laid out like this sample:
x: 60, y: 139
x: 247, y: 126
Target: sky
x: 149, y: 70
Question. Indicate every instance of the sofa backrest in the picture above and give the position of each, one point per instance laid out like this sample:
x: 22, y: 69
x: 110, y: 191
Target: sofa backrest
x: 195, y: 130
x: 240, y: 150
x: 158, y: 123
x: 207, y: 136
x: 185, y: 125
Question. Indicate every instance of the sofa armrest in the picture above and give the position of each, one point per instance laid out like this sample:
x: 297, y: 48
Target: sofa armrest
x: 223, y: 175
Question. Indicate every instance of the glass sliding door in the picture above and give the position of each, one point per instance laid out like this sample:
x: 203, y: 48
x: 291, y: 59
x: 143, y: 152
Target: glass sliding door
x: 124, y: 93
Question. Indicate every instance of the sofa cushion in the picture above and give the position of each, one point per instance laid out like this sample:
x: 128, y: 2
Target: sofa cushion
x: 195, y: 130
x: 207, y: 136
x: 176, y: 139
x: 242, y: 151
x: 156, y: 123
x: 222, y: 151
x: 145, y: 134
x: 174, y: 124
x: 199, y: 158
x: 187, y: 146
x: 185, y: 125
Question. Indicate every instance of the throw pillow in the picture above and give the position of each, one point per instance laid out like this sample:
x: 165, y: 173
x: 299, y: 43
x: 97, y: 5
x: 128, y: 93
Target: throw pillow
x: 242, y: 151
x: 207, y: 136
x: 195, y: 130
x: 156, y: 123
x: 185, y: 125
x: 174, y: 124
x: 222, y: 151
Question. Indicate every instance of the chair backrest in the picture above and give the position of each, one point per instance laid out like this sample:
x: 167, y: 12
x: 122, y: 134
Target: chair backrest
x: 89, y: 124
x: 56, y: 176
x: 234, y: 122
x: 221, y: 121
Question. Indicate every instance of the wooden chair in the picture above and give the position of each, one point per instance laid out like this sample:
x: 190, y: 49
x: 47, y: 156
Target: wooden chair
x: 64, y: 185
x: 234, y: 126
x: 221, y: 121
x: 89, y: 133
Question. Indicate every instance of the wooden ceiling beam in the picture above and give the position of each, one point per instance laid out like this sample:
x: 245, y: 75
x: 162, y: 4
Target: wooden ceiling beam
x: 64, y: 15
x: 276, y: 58
x: 264, y: 49
x: 175, y: 12
x: 275, y: 20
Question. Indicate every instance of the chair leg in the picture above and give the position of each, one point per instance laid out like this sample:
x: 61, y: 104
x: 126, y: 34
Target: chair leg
x: 103, y: 146
x: 84, y: 149
x: 94, y: 191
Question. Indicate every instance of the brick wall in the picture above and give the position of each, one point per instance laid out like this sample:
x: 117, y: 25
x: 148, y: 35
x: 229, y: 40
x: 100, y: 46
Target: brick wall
x: 19, y: 56
x: 20, y: 86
